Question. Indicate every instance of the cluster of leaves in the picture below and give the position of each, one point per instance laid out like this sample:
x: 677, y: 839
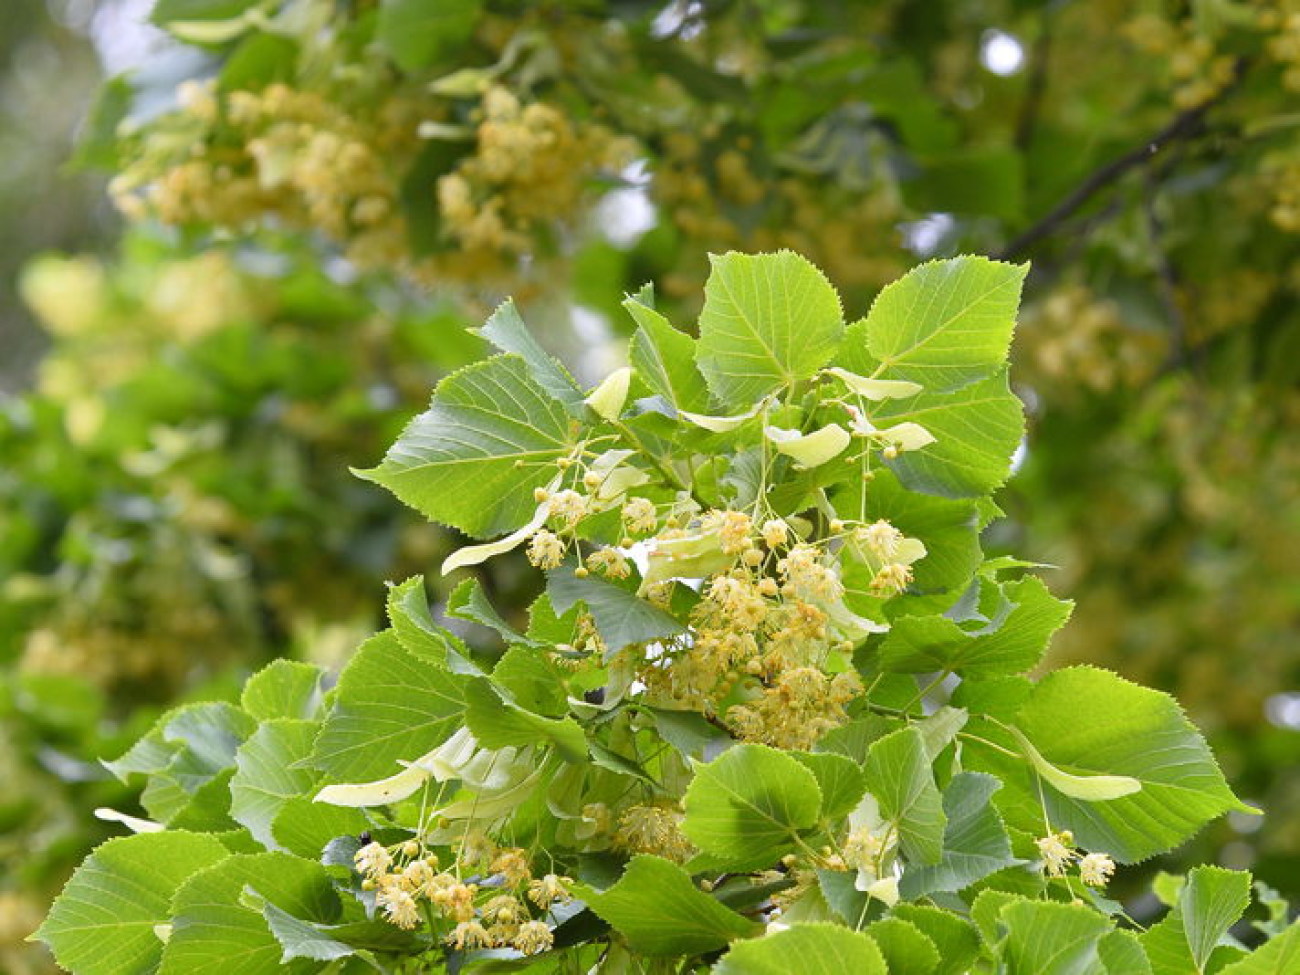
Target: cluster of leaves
x: 947, y: 813
x: 863, y: 135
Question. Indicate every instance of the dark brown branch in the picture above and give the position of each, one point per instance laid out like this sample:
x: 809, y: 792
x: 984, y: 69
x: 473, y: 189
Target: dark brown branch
x: 1186, y: 125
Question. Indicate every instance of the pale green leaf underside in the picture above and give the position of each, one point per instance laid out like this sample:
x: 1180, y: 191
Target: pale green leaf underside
x: 768, y: 320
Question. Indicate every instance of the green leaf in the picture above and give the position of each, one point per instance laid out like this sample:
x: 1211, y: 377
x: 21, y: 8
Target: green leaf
x: 1087, y: 721
x: 304, y: 827
x: 1211, y: 902
x: 1011, y: 643
x: 664, y: 359
x: 468, y: 601
x: 899, y: 776
x: 417, y: 34
x: 769, y: 320
x: 389, y: 706
x: 956, y: 940
x: 975, y: 842
x: 408, y: 613
x: 103, y: 922
x: 1046, y: 938
x: 498, y: 722
x: 690, y: 733
x: 660, y: 912
x: 532, y: 681
x: 283, y: 689
x: 1121, y: 953
x: 621, y: 617
x: 944, y: 324
x: 474, y: 458
x: 213, y: 929
x: 840, y: 779
x: 302, y: 939
x: 507, y: 331
x: 1280, y: 954
x: 906, y: 949
x: 809, y: 949
x: 747, y: 806
x: 267, y: 776
x: 976, y: 429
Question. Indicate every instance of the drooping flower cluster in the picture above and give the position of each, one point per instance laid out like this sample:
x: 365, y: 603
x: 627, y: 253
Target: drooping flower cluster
x: 495, y: 910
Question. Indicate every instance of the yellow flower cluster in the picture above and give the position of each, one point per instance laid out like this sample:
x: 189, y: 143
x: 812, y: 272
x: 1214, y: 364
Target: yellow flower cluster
x: 718, y: 201
x: 653, y: 829
x: 1193, y: 63
x: 232, y: 160
x: 410, y: 889
x: 532, y: 166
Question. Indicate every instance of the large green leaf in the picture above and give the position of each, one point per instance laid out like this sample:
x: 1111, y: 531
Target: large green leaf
x: 1210, y: 902
x: 664, y: 359
x: 474, y: 458
x: 747, y: 806
x: 769, y: 320
x: 215, y: 928
x: 498, y: 722
x: 507, y: 331
x: 1121, y: 952
x: 1011, y: 643
x: 660, y: 912
x: 389, y: 706
x: 283, y: 689
x: 840, y: 779
x: 956, y: 940
x: 906, y: 949
x: 1087, y: 721
x: 1280, y: 954
x: 417, y: 34
x: 1047, y: 938
x: 976, y: 429
x: 267, y: 775
x: 621, y: 617
x: 901, y: 780
x: 975, y: 842
x: 103, y: 922
x: 944, y: 324
x: 809, y: 949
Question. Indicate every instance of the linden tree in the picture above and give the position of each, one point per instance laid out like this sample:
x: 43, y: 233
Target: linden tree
x: 771, y: 709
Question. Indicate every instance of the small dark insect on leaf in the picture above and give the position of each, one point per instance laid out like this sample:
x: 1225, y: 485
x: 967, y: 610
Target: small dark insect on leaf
x: 364, y: 838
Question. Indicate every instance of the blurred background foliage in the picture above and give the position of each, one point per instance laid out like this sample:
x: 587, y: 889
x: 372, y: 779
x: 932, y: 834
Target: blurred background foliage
x: 318, y: 196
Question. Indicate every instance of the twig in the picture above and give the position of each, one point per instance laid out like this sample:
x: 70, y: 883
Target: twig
x: 1167, y: 273
x: 1187, y: 124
